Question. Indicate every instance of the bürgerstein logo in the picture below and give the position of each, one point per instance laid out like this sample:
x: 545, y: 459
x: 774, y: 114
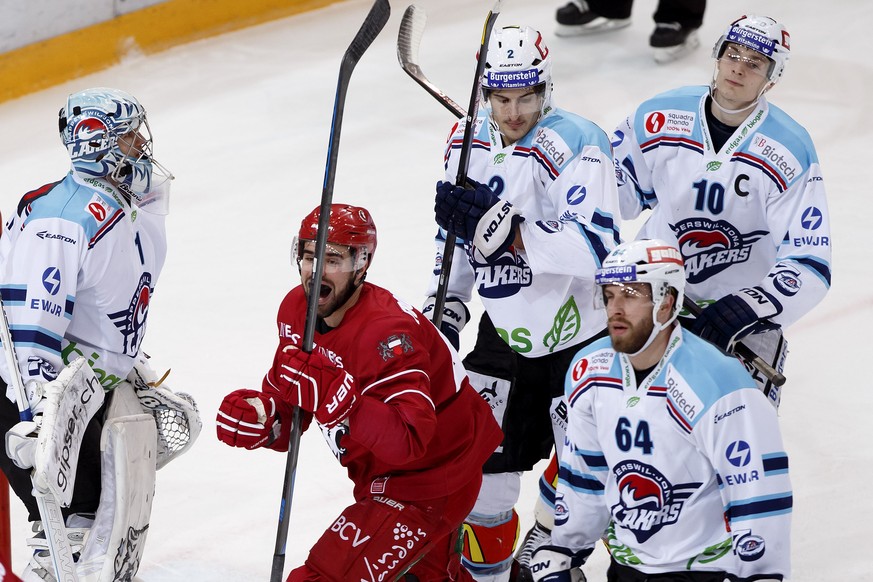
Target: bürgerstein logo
x: 131, y: 322
x: 647, y: 500
x: 711, y: 246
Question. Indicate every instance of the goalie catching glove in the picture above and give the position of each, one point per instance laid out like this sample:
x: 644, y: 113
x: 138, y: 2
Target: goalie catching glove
x: 477, y: 215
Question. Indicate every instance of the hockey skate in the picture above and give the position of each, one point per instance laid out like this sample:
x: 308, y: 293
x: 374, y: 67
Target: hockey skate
x: 537, y: 536
x: 40, y: 567
x: 671, y: 41
x: 576, y: 19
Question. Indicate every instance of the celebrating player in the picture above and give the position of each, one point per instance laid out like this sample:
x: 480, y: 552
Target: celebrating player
x: 79, y: 261
x: 671, y: 448
x: 735, y: 184
x: 391, y: 397
x: 535, y: 225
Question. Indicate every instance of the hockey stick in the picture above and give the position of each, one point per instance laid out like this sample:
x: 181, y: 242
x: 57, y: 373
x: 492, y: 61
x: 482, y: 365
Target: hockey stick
x: 463, y: 163
x: 49, y: 509
x: 370, y: 29
x: 744, y: 352
x: 408, y: 42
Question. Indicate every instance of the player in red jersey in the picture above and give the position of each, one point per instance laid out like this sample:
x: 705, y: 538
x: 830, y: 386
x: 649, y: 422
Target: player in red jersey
x: 394, y: 404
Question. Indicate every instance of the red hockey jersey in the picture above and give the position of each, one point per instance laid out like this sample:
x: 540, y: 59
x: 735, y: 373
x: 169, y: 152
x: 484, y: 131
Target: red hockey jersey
x: 417, y: 430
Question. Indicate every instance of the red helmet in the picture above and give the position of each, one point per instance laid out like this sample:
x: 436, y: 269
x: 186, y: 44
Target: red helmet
x: 350, y: 226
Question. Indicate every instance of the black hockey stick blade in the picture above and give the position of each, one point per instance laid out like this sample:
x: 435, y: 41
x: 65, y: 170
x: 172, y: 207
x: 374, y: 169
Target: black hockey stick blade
x: 743, y: 351
x: 408, y: 43
x: 370, y: 29
x: 463, y: 164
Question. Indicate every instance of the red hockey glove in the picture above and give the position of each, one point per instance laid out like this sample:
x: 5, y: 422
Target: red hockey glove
x: 314, y: 383
x: 248, y: 419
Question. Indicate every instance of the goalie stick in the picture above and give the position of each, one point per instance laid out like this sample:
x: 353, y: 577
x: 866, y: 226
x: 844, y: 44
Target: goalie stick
x: 408, y: 43
x: 463, y: 159
x: 49, y: 508
x: 370, y: 29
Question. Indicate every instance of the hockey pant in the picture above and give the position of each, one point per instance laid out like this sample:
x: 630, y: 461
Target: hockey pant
x: 688, y: 13
x: 379, y: 538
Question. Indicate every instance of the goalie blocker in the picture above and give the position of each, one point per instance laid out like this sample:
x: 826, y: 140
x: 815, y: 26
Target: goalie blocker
x: 145, y: 425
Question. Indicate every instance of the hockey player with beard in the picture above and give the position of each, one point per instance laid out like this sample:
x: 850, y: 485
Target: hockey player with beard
x: 79, y: 261
x: 390, y: 396
x: 735, y: 184
x: 672, y: 450
x: 539, y: 219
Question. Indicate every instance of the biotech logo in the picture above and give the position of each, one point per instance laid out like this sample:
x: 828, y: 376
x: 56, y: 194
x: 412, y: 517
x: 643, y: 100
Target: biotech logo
x: 711, y: 246
x: 647, y: 500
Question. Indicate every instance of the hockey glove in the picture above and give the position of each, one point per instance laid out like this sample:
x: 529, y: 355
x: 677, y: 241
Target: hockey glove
x: 496, y: 230
x: 557, y: 564
x: 455, y: 317
x: 248, y: 419
x: 735, y: 316
x: 459, y: 209
x: 314, y: 383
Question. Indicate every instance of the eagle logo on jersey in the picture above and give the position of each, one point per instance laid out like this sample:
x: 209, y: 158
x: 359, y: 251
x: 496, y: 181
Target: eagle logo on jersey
x: 711, y: 246
x: 131, y: 322
x: 647, y: 499
x: 395, y: 345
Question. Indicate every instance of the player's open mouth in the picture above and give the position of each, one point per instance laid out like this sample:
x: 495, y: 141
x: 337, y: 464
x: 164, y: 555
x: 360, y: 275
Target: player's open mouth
x: 325, y: 292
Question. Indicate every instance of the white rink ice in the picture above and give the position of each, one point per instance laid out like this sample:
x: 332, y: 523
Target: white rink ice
x: 243, y: 121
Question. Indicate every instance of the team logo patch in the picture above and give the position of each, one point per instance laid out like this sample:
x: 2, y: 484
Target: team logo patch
x: 747, y: 546
x: 647, y: 500
x: 131, y: 322
x: 786, y: 279
x: 711, y: 246
x: 394, y: 346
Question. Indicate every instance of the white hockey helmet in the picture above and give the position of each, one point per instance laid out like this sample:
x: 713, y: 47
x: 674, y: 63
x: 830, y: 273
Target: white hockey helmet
x: 761, y: 34
x: 90, y: 125
x: 518, y: 57
x: 651, y: 261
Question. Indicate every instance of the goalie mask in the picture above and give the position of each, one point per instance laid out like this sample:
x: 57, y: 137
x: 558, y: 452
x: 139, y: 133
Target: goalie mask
x: 654, y: 262
x: 348, y: 226
x: 107, y: 136
x: 517, y: 58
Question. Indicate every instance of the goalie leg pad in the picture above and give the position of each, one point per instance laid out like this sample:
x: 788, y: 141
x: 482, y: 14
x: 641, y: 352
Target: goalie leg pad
x: 114, y: 548
x: 72, y: 400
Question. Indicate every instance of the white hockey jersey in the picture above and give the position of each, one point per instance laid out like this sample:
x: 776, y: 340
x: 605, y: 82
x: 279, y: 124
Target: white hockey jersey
x: 78, y: 268
x: 752, y: 214
x: 560, y: 177
x: 667, y: 466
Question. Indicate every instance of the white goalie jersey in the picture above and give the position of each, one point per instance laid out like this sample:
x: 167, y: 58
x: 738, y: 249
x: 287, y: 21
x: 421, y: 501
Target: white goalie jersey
x: 560, y: 177
x: 753, y: 213
x: 685, y: 471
